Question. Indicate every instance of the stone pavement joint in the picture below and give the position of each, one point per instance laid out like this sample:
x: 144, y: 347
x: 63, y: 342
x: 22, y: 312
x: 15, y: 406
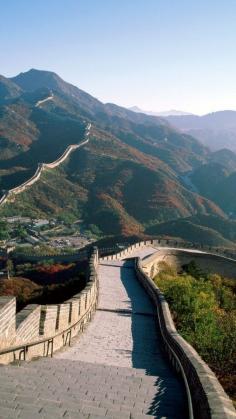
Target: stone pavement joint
x: 115, y: 369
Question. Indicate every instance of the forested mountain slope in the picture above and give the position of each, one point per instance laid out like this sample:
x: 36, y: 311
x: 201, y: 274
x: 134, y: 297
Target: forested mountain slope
x: 129, y: 176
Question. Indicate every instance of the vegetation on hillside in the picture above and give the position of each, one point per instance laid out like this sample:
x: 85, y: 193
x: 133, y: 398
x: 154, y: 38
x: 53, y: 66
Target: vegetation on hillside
x: 112, y: 186
x: 43, y: 283
x: 217, y: 183
x: 204, y: 310
x: 203, y: 229
x: 4, y: 230
x: 42, y: 250
x: 129, y: 176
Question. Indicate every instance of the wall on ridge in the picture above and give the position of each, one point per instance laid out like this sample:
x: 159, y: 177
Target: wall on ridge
x: 167, y: 243
x: 206, y: 397
x: 42, y: 166
x: 39, y: 330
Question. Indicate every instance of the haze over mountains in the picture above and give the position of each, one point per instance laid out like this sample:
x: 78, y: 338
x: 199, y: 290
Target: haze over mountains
x: 216, y: 130
x: 136, y: 173
x: 171, y: 112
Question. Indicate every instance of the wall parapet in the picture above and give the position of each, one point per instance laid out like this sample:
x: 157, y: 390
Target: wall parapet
x: 41, y: 167
x: 207, y: 398
x: 40, y: 330
x: 225, y: 253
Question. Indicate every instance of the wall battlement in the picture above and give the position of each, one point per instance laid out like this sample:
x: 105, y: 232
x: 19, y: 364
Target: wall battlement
x: 9, y: 195
x: 206, y: 397
x: 170, y: 243
x: 39, y: 330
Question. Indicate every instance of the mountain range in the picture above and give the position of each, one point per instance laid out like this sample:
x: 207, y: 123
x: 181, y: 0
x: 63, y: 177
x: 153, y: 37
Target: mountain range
x: 216, y: 130
x: 136, y: 174
x: 171, y: 112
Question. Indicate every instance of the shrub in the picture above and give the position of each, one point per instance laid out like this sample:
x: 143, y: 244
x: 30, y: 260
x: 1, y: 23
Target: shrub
x: 204, y: 310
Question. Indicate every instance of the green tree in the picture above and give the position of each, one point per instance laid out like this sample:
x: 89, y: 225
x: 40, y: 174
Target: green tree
x: 4, y: 230
x: 94, y: 229
x: 10, y: 268
x: 21, y: 231
x: 66, y: 217
x: 204, y: 311
x: 193, y: 269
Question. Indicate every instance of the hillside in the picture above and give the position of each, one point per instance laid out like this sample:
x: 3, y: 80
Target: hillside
x: 216, y: 130
x: 171, y: 112
x: 8, y: 89
x: 201, y: 229
x: 128, y: 177
x: 113, y: 186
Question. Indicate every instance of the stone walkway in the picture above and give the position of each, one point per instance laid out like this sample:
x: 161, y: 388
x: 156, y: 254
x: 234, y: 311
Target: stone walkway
x: 114, y: 370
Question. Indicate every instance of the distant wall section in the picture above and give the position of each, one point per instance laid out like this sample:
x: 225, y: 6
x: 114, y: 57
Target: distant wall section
x: 9, y: 195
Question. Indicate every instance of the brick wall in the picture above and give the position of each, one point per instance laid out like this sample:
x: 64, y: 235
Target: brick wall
x: 39, y: 330
x: 208, y: 398
x: 7, y: 321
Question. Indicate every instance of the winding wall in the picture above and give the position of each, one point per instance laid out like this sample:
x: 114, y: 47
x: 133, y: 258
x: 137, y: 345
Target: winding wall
x: 43, y: 166
x: 167, y: 243
x: 206, y: 397
x: 40, y: 330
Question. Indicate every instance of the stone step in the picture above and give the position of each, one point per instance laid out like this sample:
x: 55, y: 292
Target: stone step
x: 76, y: 372
x: 62, y: 365
x: 24, y: 406
x: 116, y: 369
x: 99, y: 381
x: 65, y: 388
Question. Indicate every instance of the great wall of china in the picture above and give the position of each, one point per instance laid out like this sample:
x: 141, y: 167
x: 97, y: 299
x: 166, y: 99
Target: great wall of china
x: 114, y: 368
x: 43, y: 166
x: 114, y: 349
x: 40, y: 330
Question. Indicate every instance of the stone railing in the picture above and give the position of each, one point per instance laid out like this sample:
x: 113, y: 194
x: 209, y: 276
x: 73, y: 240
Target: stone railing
x: 39, y: 330
x: 41, y: 167
x: 206, y: 397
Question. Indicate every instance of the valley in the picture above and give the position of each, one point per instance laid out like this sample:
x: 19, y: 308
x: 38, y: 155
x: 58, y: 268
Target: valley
x: 117, y: 210
x: 136, y: 177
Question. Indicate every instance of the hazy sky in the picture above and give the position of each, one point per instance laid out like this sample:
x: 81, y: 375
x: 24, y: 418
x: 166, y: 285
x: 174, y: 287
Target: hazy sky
x: 156, y: 54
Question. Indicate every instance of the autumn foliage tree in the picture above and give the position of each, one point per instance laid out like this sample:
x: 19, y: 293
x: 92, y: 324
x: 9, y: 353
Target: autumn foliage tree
x: 204, y: 310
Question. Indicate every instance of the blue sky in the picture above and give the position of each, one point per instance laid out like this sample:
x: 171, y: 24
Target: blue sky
x: 156, y: 54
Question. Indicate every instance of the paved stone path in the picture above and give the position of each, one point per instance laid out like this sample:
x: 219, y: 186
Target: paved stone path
x: 114, y: 370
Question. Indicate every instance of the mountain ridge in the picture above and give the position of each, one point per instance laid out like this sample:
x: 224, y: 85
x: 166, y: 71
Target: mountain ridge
x: 216, y: 130
x: 127, y: 177
x: 172, y: 112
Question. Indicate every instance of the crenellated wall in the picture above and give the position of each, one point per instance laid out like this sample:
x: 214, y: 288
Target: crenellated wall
x: 41, y: 167
x: 170, y: 244
x: 7, y: 320
x: 206, y: 396
x: 39, y: 330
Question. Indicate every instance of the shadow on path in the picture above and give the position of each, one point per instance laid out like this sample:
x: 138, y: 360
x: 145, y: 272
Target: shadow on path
x: 170, y: 399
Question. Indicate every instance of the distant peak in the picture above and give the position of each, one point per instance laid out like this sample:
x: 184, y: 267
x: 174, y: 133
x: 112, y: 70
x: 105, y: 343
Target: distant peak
x: 172, y: 112
x: 35, y: 79
x: 136, y: 109
x: 8, y: 89
x: 36, y: 70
